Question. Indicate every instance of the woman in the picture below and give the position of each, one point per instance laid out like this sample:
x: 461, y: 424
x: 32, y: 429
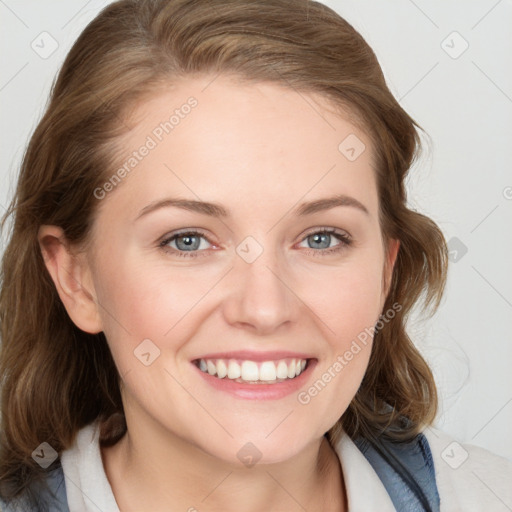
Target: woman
x: 209, y: 273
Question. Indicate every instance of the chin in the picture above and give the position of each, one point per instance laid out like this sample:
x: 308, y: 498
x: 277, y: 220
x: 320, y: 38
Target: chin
x: 248, y: 450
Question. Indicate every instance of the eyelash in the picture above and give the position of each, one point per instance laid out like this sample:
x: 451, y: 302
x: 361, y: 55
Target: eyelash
x: 345, y: 240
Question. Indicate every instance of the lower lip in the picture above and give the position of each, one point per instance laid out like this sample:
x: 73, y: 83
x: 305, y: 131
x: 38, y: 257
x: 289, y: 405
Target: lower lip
x: 259, y: 391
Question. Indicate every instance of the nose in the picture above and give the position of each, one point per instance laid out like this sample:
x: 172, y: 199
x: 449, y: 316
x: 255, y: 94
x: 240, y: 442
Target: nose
x: 259, y: 297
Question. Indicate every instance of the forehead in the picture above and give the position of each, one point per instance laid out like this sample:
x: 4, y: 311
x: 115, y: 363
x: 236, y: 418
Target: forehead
x: 216, y: 138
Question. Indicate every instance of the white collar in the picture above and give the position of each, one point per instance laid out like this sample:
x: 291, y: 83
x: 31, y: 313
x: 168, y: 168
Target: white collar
x: 87, y: 486
x: 365, y: 491
x: 88, y: 489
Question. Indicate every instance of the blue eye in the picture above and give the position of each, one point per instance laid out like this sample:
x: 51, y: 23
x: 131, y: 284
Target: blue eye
x: 185, y: 242
x: 189, y: 243
x: 322, y: 240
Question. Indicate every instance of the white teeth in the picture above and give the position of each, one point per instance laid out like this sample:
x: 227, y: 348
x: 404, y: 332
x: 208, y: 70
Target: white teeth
x: 251, y: 371
x: 234, y: 371
x: 291, y: 369
x: 212, y: 370
x: 222, y: 369
x: 282, y: 370
x: 268, y: 371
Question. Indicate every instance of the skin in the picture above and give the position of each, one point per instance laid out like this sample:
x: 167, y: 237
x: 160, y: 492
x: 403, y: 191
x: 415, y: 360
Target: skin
x: 259, y: 150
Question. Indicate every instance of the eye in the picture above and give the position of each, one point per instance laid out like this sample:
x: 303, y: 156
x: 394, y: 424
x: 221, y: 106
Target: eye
x: 187, y: 243
x: 323, y: 238
x: 190, y: 244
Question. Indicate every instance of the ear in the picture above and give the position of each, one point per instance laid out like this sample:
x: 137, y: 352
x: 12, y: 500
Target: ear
x: 392, y: 248
x: 72, y: 278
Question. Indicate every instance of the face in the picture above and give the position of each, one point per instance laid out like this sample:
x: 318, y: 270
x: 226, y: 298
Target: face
x: 267, y: 279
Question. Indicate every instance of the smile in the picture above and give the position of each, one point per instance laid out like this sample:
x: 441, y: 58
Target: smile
x: 253, y: 372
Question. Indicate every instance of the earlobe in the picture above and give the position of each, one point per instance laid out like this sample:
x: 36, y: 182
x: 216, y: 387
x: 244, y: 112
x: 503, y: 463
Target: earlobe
x: 71, y: 277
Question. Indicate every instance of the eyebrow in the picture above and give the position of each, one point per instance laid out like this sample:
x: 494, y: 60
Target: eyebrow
x: 217, y: 210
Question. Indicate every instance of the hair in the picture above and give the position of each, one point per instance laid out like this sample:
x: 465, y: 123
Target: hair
x: 55, y: 378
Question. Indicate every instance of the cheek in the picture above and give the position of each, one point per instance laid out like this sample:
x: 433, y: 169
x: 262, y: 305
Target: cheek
x: 347, y: 299
x: 348, y: 305
x: 142, y: 301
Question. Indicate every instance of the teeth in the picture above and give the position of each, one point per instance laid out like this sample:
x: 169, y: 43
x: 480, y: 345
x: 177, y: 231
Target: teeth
x: 234, y: 371
x: 267, y: 371
x: 251, y: 371
x: 282, y: 370
x: 291, y: 369
x: 222, y: 369
x: 212, y: 370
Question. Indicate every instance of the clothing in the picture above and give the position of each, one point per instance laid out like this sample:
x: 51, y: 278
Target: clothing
x: 482, y: 481
x: 90, y: 491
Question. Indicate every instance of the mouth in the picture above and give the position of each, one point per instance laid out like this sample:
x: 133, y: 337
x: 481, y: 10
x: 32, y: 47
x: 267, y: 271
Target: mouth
x: 247, y: 371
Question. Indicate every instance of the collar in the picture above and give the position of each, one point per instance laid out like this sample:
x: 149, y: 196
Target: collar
x: 88, y: 489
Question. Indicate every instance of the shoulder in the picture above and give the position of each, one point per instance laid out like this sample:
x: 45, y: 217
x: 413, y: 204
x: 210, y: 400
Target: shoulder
x: 406, y: 469
x: 469, y: 476
x: 48, y: 497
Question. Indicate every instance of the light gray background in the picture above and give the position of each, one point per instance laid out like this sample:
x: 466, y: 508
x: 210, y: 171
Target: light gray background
x: 464, y: 181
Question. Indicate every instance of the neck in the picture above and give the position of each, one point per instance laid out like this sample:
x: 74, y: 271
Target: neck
x: 149, y: 469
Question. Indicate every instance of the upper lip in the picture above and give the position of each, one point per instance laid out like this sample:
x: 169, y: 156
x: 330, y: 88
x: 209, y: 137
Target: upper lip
x: 248, y: 355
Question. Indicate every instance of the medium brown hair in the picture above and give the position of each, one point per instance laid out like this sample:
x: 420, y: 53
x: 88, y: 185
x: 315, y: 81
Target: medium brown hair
x: 56, y: 378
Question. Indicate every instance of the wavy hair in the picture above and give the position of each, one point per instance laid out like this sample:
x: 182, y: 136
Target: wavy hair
x: 55, y: 378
